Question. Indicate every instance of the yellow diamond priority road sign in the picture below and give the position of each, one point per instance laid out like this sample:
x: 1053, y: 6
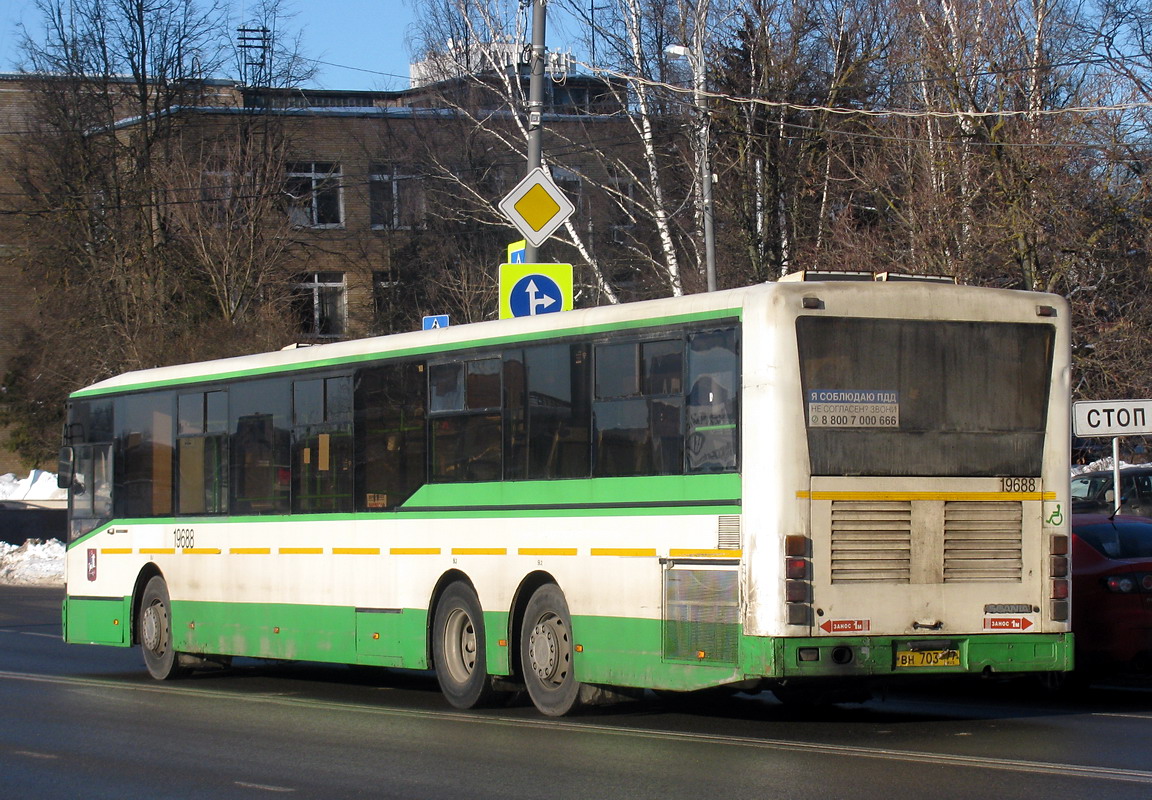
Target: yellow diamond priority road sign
x: 537, y: 206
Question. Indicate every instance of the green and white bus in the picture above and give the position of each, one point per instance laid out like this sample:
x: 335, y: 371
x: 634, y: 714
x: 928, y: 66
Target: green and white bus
x: 803, y: 484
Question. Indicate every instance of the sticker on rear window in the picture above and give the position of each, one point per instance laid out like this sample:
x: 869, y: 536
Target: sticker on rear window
x: 838, y: 408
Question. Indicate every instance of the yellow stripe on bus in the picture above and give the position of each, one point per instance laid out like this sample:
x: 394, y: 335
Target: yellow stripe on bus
x: 633, y: 552
x: 697, y: 553
x: 975, y: 496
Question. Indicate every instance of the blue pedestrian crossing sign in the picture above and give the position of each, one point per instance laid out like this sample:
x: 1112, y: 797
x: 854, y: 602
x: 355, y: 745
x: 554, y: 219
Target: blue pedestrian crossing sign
x: 516, y: 252
x: 528, y: 290
x: 435, y: 322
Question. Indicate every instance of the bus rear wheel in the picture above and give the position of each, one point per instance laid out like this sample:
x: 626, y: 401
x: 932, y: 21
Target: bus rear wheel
x: 154, y: 630
x: 546, y: 650
x: 458, y: 648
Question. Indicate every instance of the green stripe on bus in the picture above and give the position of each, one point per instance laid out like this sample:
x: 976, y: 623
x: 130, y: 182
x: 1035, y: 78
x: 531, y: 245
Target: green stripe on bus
x: 657, y: 490
x: 664, y: 495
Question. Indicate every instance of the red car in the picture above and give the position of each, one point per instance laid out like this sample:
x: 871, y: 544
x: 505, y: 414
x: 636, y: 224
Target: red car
x: 1112, y: 592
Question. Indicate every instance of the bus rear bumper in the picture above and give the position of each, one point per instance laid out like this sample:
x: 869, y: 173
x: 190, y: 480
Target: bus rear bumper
x: 876, y: 656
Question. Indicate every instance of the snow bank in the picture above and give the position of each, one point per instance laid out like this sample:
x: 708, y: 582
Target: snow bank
x: 34, y: 563
x: 1100, y: 465
x: 38, y: 486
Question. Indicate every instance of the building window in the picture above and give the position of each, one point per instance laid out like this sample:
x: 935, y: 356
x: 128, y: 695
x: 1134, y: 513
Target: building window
x: 315, y: 196
x: 384, y: 286
x: 319, y: 304
x: 396, y: 198
x: 622, y: 208
x: 569, y: 182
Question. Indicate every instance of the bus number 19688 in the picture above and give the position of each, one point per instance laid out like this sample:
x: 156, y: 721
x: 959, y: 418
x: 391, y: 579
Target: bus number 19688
x: 1019, y: 485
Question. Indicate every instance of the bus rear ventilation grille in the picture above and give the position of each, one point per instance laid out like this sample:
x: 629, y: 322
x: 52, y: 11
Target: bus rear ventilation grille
x: 871, y: 541
x: 983, y: 542
x: 728, y: 535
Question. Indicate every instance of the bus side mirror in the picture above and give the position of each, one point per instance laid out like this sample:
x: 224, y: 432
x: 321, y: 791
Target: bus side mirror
x: 66, y: 468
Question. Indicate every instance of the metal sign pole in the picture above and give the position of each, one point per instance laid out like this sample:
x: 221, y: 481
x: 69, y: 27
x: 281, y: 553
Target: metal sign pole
x: 536, y: 101
x: 1116, y: 474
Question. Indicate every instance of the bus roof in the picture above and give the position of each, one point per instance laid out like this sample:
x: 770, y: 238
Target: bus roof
x: 666, y: 311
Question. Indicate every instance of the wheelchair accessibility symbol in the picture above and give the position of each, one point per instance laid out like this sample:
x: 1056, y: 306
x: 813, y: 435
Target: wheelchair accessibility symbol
x: 1056, y: 518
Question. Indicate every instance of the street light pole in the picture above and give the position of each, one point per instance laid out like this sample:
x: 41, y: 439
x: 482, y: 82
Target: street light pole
x: 536, y: 100
x: 696, y: 62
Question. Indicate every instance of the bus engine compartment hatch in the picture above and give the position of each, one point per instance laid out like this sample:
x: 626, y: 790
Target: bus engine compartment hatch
x: 701, y: 614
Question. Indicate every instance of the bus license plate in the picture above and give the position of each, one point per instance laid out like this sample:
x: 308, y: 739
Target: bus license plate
x: 927, y: 658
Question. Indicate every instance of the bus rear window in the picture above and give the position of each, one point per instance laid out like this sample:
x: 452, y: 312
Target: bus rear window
x: 920, y: 397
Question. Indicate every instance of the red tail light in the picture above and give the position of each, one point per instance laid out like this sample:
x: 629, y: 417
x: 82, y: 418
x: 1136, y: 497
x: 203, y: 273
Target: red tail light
x: 1121, y: 584
x: 797, y: 572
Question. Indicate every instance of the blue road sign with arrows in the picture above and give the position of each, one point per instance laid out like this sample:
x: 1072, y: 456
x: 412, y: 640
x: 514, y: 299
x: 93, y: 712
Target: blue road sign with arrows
x: 528, y: 290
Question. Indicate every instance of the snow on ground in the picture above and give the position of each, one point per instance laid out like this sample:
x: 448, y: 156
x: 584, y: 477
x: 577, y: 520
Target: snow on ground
x: 34, y: 563
x: 38, y: 486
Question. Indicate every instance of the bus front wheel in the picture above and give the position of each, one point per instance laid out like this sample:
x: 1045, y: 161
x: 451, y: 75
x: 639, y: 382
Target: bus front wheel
x: 458, y: 648
x: 155, y: 632
x: 546, y: 650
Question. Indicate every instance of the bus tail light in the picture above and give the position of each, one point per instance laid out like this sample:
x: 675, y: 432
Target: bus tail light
x: 797, y: 572
x: 1058, y: 573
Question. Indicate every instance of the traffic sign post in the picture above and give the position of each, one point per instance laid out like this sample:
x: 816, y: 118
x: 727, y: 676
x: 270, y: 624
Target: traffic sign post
x: 528, y: 290
x: 435, y: 322
x: 1113, y: 418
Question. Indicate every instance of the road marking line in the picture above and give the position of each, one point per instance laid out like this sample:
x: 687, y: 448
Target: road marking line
x: 264, y: 787
x: 884, y: 754
x: 30, y: 633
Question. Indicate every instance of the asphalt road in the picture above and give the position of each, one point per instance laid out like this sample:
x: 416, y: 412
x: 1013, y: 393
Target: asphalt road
x: 87, y: 722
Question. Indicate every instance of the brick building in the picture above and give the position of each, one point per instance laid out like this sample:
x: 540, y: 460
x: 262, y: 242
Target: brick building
x: 387, y: 197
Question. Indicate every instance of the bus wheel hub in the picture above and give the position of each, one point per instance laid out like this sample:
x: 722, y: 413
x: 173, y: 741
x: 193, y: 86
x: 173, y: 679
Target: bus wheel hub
x: 542, y: 649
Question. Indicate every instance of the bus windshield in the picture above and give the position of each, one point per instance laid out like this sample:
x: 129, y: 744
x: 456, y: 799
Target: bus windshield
x: 891, y: 397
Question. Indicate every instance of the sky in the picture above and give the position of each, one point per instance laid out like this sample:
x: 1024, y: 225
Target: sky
x: 359, y: 44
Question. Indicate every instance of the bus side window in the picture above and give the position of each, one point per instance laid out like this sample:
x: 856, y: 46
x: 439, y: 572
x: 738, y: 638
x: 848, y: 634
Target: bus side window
x: 322, y: 444
x: 202, y: 453
x: 260, y: 424
x: 638, y: 408
x: 466, y: 420
x: 558, y: 411
x: 145, y: 439
x: 390, y: 446
x: 713, y: 402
